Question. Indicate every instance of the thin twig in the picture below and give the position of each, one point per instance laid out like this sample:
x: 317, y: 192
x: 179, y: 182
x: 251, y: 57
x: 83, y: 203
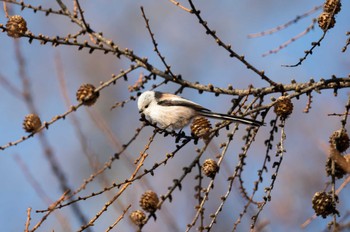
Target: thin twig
x: 105, y: 207
x: 155, y: 44
x: 52, y: 207
x: 285, y: 44
x: 72, y: 109
x: 287, y: 24
x: 181, y: 6
x: 227, y: 47
x: 26, y: 229
x: 118, y: 219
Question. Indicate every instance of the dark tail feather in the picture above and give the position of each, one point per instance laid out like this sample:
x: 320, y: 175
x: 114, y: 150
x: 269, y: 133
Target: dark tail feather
x: 232, y: 118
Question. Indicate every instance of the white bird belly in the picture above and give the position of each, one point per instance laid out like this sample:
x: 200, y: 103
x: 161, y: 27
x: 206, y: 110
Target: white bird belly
x: 175, y: 117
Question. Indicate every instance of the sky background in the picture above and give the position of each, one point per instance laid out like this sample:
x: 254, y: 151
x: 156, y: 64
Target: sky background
x: 194, y: 55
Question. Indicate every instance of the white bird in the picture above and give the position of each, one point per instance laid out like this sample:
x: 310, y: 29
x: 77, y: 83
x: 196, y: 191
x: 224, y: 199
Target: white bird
x: 171, y: 111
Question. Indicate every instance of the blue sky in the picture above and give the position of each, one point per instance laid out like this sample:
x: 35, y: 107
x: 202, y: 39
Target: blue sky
x: 196, y: 57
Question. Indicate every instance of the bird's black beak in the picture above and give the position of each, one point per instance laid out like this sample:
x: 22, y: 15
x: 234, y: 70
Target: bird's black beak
x: 143, y: 117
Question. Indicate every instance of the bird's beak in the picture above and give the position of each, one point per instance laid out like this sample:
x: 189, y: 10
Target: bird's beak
x: 140, y: 111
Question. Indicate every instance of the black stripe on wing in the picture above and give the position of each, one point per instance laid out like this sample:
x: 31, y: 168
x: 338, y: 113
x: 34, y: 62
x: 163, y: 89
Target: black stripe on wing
x: 233, y: 118
x: 183, y: 103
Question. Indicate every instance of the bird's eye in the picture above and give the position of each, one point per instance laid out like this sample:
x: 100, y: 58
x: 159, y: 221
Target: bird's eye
x: 146, y: 106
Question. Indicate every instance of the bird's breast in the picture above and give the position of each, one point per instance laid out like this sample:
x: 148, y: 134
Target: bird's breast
x: 175, y: 117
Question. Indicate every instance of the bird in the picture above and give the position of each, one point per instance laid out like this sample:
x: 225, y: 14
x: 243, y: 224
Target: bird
x: 172, y: 111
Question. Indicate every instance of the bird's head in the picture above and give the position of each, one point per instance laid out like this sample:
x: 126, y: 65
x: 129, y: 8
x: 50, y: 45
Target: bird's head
x: 145, y: 100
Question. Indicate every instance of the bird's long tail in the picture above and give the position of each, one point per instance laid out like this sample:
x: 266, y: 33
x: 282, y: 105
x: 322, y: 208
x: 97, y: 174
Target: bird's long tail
x: 232, y: 118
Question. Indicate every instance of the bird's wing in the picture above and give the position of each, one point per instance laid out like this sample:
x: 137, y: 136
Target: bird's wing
x: 167, y: 99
